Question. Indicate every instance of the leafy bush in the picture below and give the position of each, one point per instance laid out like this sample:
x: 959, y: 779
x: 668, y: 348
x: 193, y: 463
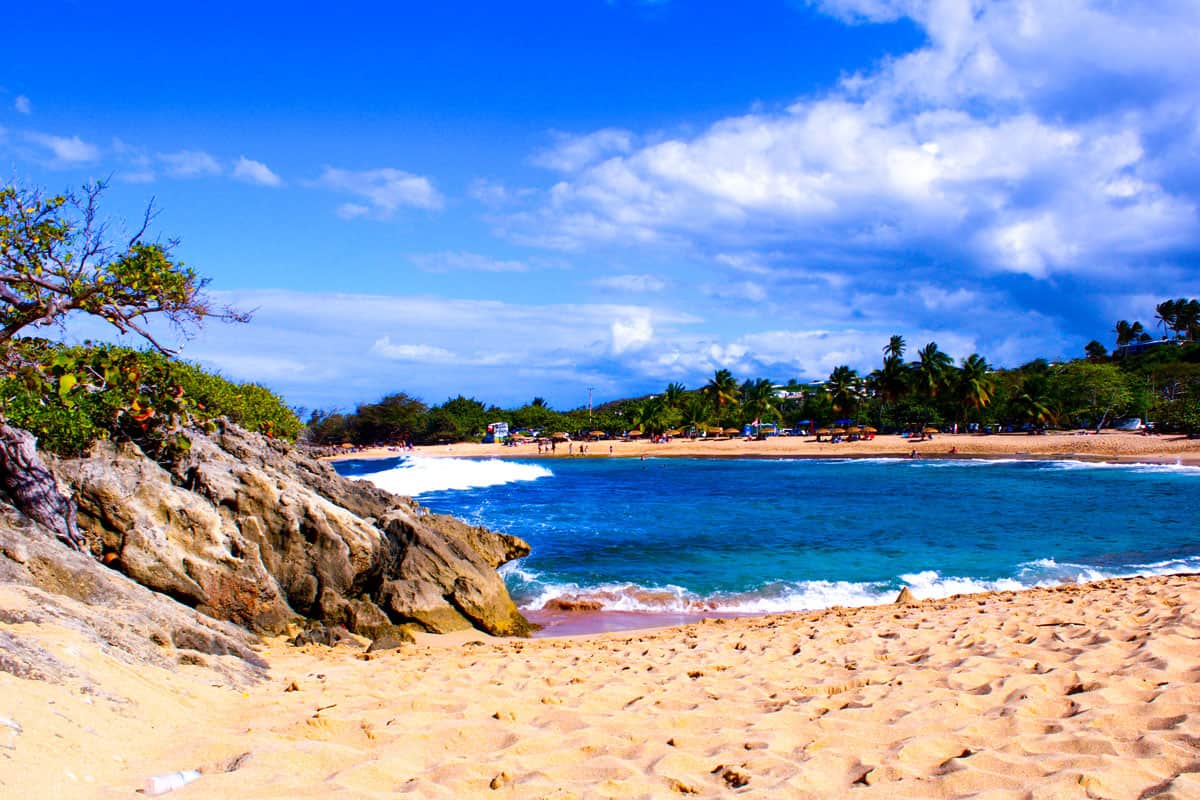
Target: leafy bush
x: 71, y: 396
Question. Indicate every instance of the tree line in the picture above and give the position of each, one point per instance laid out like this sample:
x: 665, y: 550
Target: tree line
x: 907, y: 390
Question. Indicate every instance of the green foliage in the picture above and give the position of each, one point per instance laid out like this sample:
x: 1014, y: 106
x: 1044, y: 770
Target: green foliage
x: 71, y: 396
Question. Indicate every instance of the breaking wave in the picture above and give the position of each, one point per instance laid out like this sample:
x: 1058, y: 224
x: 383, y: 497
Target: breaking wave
x: 415, y: 476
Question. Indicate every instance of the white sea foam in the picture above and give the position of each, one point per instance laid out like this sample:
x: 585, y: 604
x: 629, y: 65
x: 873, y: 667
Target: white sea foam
x: 782, y: 597
x: 1066, y: 465
x: 416, y: 476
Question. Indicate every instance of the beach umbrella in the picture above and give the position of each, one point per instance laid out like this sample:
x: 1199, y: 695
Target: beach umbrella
x: 839, y: 430
x: 599, y: 434
x: 347, y: 446
x: 732, y: 431
x: 854, y: 429
x: 634, y: 434
x: 869, y: 429
x: 824, y: 432
x: 673, y: 432
x: 930, y: 430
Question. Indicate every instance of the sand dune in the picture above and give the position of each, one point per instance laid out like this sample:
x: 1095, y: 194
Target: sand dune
x: 1082, y: 691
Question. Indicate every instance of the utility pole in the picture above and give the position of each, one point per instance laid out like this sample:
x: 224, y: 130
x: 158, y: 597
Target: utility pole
x: 590, y: 404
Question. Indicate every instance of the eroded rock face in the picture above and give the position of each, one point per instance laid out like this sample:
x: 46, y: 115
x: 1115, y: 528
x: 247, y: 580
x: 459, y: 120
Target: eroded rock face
x: 44, y: 582
x: 248, y: 531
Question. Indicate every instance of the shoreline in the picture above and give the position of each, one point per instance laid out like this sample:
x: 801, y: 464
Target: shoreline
x: 1108, y: 446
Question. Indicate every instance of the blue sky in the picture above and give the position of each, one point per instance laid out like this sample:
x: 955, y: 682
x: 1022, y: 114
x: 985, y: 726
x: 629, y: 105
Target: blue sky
x: 536, y: 198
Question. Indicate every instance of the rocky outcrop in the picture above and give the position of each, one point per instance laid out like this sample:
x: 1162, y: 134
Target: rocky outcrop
x: 42, y: 582
x: 249, y: 531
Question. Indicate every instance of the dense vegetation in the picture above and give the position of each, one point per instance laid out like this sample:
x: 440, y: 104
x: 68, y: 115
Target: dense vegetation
x: 108, y: 392
x: 1156, y: 379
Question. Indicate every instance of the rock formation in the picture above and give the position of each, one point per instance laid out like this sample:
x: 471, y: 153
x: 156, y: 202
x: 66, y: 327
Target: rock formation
x: 249, y: 531
x: 43, y: 582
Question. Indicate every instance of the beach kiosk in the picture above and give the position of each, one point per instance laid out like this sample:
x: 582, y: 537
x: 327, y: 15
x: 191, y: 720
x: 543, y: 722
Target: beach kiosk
x: 496, y: 432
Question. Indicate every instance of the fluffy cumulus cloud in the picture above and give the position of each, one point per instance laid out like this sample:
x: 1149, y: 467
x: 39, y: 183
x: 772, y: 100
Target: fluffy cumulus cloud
x: 1023, y: 141
x: 64, y: 150
x: 255, y: 172
x: 380, y: 192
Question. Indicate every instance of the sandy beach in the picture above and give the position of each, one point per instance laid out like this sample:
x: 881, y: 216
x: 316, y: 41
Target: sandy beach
x: 1080, y: 691
x: 1108, y: 446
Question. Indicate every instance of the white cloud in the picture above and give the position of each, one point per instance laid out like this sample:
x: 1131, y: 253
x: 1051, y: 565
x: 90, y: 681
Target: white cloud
x: 65, y: 150
x: 571, y: 153
x: 1024, y: 138
x: 635, y: 284
x: 456, y: 261
x: 22, y: 105
x: 632, y: 333
x: 386, y: 190
x: 189, y: 164
x: 255, y: 172
x: 412, y: 352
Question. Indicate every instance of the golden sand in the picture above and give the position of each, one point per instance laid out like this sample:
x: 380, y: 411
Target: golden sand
x: 1108, y: 445
x: 1081, y: 691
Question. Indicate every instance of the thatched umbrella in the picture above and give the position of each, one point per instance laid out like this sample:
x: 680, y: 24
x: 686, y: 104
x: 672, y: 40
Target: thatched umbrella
x: 634, y: 434
x: 673, y: 432
x: 598, y: 434
x: 930, y: 430
x: 732, y: 431
x: 823, y: 432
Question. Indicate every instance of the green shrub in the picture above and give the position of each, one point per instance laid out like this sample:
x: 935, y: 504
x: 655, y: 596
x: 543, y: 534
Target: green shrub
x: 71, y: 396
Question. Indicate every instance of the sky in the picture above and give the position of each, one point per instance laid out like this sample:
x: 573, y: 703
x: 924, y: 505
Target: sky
x: 545, y: 199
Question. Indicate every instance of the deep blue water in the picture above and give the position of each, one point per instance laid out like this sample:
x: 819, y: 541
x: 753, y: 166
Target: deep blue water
x: 775, y: 535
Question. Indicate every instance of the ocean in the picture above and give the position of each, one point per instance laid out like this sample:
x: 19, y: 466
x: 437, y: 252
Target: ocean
x: 676, y: 536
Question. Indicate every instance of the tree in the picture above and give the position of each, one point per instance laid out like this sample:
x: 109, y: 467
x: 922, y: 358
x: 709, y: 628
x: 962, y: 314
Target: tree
x: 933, y: 367
x: 1094, y: 393
x: 758, y: 398
x: 57, y: 257
x: 1096, y: 351
x: 894, y: 349
x: 1165, y: 314
x: 721, y: 391
x: 975, y: 383
x: 674, y: 394
x: 843, y: 387
x: 395, y: 418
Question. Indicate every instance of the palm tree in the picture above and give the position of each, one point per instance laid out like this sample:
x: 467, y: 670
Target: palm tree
x: 976, y: 386
x: 696, y: 412
x: 1187, y: 318
x: 758, y: 397
x: 1165, y: 314
x: 894, y: 349
x: 653, y: 415
x: 674, y: 394
x: 721, y: 390
x: 932, y: 369
x: 843, y: 387
x: 1127, y: 333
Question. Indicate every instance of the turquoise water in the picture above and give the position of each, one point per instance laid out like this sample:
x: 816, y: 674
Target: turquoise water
x: 740, y: 536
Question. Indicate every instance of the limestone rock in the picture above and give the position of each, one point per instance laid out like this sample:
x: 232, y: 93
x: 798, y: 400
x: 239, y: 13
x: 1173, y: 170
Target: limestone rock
x: 45, y: 583
x: 905, y: 597
x: 251, y: 531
